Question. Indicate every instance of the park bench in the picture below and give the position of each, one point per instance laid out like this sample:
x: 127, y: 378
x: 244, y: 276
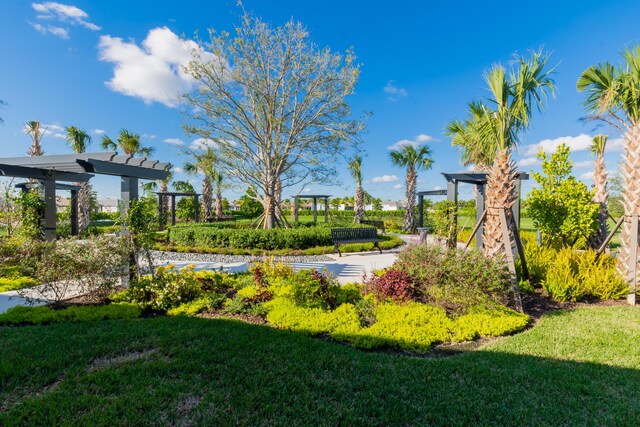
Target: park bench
x: 341, y: 236
x: 379, y: 224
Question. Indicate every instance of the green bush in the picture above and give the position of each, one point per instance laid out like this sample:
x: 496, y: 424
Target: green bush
x: 538, y: 258
x: 279, y: 238
x: 15, y: 283
x: 43, y: 314
x: 573, y: 276
x: 208, y: 302
x: 454, y: 279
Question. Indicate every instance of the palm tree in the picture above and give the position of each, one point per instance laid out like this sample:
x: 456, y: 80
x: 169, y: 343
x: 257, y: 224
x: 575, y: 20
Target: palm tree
x: 207, y: 190
x: 414, y: 159
x: 33, y: 129
x: 495, y: 127
x: 78, y: 140
x: 355, y: 167
x: 601, y: 195
x: 612, y: 96
x: 470, y: 137
x: 218, y: 179
x: 205, y: 163
x: 128, y: 142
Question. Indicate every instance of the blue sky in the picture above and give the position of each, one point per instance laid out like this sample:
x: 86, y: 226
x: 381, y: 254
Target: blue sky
x: 99, y: 66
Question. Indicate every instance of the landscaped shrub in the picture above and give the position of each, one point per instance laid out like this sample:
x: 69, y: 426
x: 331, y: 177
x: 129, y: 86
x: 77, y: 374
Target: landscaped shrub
x: 483, y: 322
x: 167, y: 289
x: 538, y: 258
x: 43, y: 314
x: 209, y: 301
x: 280, y: 238
x: 454, y: 279
x: 16, y: 283
x: 392, y: 284
x: 574, y: 275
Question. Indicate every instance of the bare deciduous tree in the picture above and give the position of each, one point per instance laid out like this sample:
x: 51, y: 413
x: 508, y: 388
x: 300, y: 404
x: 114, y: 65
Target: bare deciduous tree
x: 274, y: 105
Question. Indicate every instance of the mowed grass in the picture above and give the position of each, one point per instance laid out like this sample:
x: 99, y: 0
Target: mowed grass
x: 573, y: 368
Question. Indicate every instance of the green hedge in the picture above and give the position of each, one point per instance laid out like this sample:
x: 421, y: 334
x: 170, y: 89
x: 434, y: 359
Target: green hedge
x: 279, y: 238
x: 44, y: 315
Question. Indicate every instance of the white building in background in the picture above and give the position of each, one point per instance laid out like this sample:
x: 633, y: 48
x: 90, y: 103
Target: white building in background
x: 387, y: 205
x: 108, y: 205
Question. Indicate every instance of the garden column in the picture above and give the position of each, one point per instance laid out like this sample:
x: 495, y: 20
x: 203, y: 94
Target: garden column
x: 315, y: 210
x: 420, y: 210
x: 161, y: 212
x: 173, y: 210
x: 74, y: 212
x: 326, y: 209
x: 49, y: 209
x: 452, y: 196
x: 480, y: 191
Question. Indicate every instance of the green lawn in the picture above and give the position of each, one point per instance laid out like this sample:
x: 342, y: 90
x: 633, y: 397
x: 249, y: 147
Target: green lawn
x: 573, y: 368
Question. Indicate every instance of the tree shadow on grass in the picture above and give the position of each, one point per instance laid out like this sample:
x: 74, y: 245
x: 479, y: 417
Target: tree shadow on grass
x: 239, y: 373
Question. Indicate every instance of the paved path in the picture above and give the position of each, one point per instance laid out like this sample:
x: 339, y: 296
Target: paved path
x: 348, y: 268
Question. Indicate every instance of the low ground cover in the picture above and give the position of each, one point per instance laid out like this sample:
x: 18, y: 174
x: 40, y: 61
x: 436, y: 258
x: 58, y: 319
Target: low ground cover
x: 578, y: 367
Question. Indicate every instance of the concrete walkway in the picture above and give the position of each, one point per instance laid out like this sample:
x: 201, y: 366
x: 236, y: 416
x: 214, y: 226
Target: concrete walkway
x: 348, y: 268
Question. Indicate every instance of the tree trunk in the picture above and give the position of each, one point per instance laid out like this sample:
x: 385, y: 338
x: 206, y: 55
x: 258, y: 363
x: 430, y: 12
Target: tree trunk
x: 409, y: 225
x: 358, y: 205
x: 219, y: 211
x: 269, y: 213
x: 84, y: 208
x: 207, y: 196
x: 600, y: 197
x: 631, y: 201
x: 500, y: 193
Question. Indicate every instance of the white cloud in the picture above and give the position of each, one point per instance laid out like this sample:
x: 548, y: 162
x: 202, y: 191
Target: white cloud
x: 398, y: 186
x: 528, y: 161
x: 306, y: 190
x: 575, y: 143
x: 587, y: 176
x: 99, y: 131
x: 153, y: 71
x: 52, y: 130
x: 174, y: 141
x: 177, y: 170
x: 615, y: 144
x: 438, y: 187
x: 203, y: 144
x: 149, y: 135
x: 394, y: 91
x: 60, y: 32
x: 385, y: 178
x: 53, y: 11
x: 418, y: 140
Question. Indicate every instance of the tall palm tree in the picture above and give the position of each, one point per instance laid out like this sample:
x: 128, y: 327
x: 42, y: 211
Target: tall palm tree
x: 471, y: 139
x: 218, y: 179
x: 78, y: 140
x: 601, y: 195
x: 496, y: 126
x: 613, y: 97
x: 34, y: 130
x: 128, y: 142
x: 202, y: 164
x: 355, y: 167
x: 414, y: 159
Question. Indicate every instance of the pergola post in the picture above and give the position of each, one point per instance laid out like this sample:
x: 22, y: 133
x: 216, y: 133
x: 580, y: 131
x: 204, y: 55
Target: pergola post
x: 196, y: 208
x: 420, y: 210
x: 452, y: 196
x: 49, y: 209
x: 480, y: 193
x: 74, y: 212
x: 326, y: 209
x: 173, y: 210
x: 161, y: 212
x: 128, y: 190
x: 295, y: 208
x: 315, y: 210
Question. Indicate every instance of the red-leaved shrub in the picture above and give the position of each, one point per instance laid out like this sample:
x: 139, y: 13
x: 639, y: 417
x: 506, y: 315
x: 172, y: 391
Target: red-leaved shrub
x: 392, y: 284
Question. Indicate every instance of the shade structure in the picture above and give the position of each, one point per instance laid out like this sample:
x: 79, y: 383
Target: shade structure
x: 81, y: 167
x: 315, y: 198
x: 173, y: 195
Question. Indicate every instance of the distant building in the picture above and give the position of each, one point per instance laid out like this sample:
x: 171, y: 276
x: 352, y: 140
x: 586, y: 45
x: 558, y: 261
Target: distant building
x: 108, y: 205
x: 62, y: 203
x: 388, y: 205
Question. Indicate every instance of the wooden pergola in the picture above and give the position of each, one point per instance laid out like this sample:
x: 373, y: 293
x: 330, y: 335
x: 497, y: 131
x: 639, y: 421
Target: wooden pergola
x: 479, y: 179
x: 49, y: 169
x: 315, y: 198
x: 173, y: 195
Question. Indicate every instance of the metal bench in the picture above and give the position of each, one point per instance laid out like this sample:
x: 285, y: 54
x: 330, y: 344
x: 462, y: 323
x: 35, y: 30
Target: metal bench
x: 379, y: 224
x: 341, y: 236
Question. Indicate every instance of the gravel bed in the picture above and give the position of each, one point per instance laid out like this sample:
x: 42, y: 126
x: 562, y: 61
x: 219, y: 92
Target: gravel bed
x: 161, y: 257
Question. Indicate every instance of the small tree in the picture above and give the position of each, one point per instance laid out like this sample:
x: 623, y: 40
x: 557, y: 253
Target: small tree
x: 249, y: 207
x: 562, y: 208
x: 355, y: 167
x: 274, y: 104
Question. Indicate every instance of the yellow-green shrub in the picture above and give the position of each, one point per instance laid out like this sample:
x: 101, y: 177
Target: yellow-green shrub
x: 575, y: 275
x: 285, y: 314
x: 43, y: 315
x: 207, y: 302
x: 483, y: 322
